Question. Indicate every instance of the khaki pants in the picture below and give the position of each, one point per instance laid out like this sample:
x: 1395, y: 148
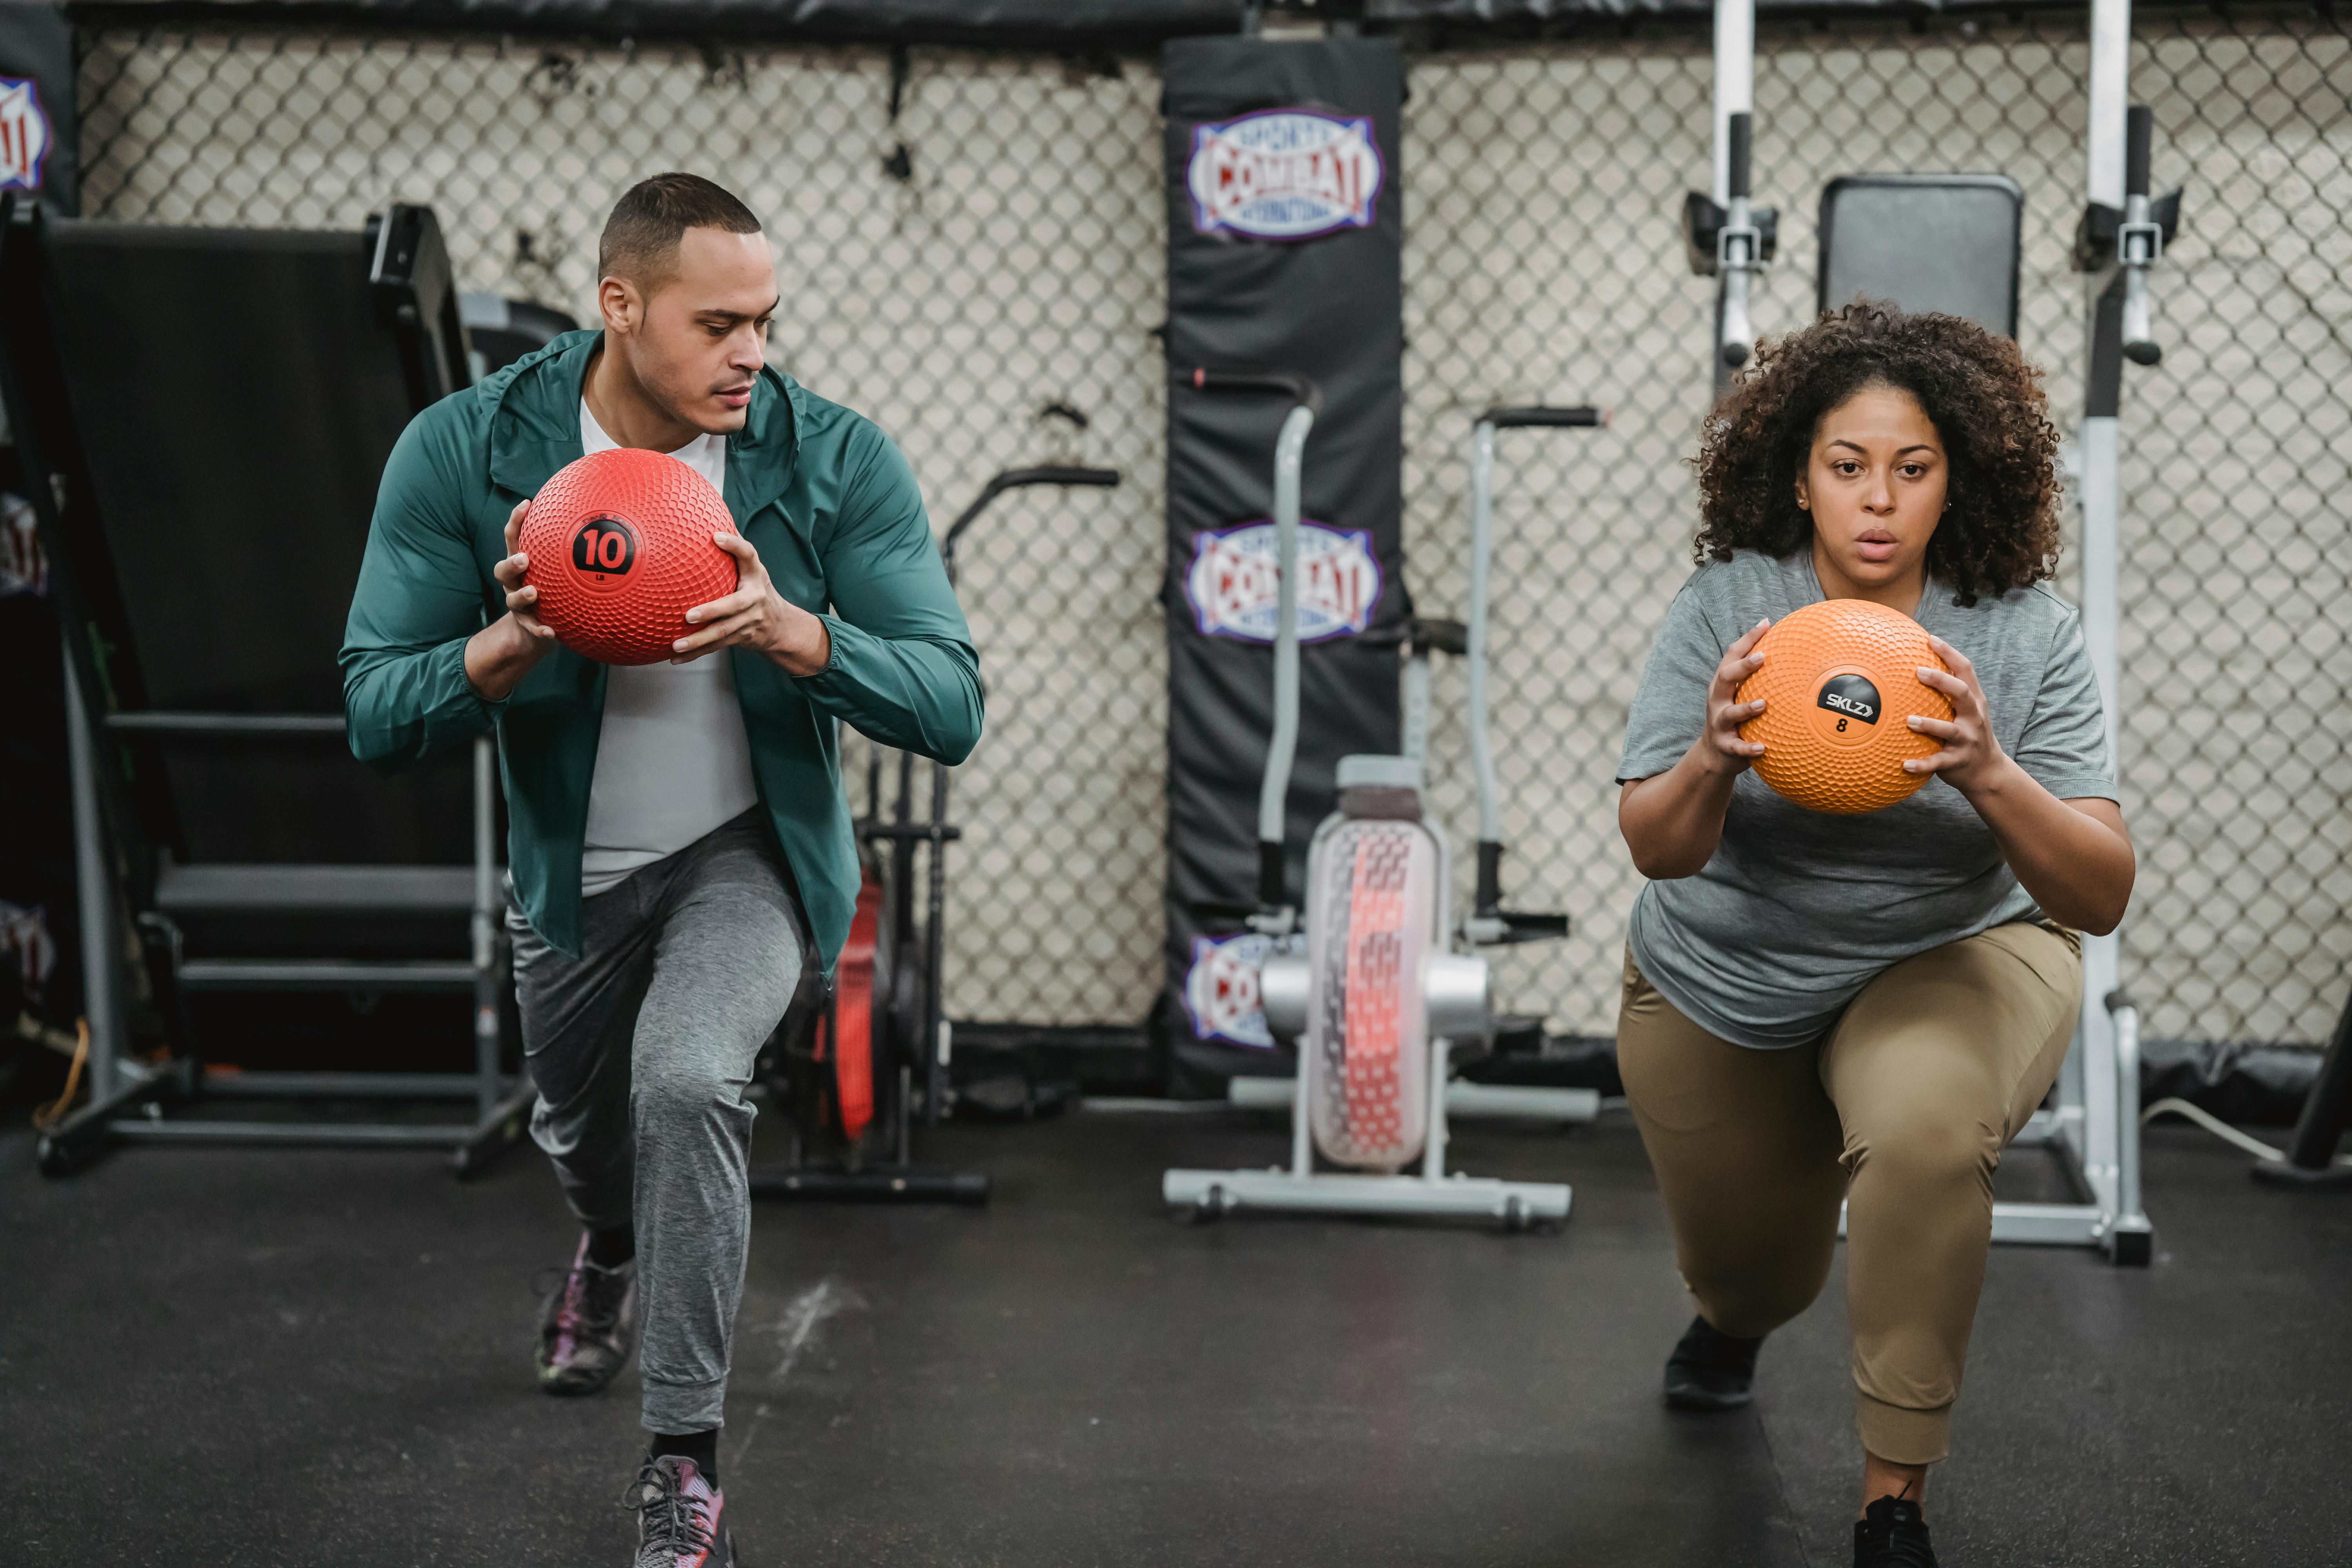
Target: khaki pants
x: 1902, y: 1110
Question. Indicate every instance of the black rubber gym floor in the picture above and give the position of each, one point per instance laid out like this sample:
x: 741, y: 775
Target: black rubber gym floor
x: 322, y: 1358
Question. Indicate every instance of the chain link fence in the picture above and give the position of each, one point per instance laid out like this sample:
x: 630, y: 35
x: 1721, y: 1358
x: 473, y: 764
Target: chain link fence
x: 982, y: 236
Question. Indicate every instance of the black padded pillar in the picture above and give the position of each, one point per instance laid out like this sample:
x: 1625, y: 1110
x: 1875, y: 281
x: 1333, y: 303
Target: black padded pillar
x: 1285, y: 245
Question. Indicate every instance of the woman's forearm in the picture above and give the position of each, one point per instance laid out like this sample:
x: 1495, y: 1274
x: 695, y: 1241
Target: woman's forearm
x: 2073, y: 857
x: 1673, y: 821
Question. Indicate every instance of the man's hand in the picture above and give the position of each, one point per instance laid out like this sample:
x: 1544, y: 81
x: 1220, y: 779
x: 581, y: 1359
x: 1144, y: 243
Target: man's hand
x: 1972, y: 759
x: 499, y: 655
x: 1721, y: 749
x: 756, y: 617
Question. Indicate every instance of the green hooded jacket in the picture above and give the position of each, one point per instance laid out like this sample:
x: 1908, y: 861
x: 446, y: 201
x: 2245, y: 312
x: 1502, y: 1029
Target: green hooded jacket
x: 833, y: 511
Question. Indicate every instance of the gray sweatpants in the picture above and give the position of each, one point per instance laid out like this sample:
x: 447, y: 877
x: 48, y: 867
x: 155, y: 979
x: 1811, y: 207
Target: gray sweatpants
x: 641, y: 1049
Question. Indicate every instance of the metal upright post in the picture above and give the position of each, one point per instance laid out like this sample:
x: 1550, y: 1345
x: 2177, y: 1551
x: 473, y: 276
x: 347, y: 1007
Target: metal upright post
x: 101, y: 948
x: 1739, y: 245
x: 2102, y: 500
x: 1273, y: 792
x: 1735, y: 82
x: 1482, y: 746
x: 486, y: 928
x: 1290, y: 459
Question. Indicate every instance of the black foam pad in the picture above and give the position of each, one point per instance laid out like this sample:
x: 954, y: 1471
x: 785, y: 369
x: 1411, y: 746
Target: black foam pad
x: 237, y: 392
x: 1924, y: 242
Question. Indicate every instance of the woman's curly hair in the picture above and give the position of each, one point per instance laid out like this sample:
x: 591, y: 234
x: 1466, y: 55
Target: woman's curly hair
x: 1986, y: 402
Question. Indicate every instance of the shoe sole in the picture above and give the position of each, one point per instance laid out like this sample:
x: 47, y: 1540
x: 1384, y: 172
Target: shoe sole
x: 1706, y: 1402
x: 572, y: 1384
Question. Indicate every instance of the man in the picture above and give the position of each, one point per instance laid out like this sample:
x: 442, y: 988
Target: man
x: 679, y: 843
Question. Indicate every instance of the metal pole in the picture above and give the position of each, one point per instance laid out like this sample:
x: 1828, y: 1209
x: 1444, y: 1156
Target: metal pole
x: 931, y: 1035
x: 485, y: 928
x: 2127, y: 1201
x: 1416, y: 705
x: 2102, y: 504
x: 101, y: 957
x: 1302, y: 1104
x: 1432, y: 1164
x: 2110, y: 91
x: 1735, y: 82
x: 1289, y: 455
x: 1482, y: 751
x: 1738, y: 246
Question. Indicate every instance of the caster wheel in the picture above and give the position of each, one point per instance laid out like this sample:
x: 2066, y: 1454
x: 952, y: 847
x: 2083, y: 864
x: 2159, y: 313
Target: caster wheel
x: 1515, y: 1217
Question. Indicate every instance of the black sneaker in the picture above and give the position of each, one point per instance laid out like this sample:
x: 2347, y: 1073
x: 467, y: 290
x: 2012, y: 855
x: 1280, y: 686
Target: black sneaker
x: 589, y: 1327
x: 1710, y: 1371
x: 681, y: 1517
x: 1891, y: 1533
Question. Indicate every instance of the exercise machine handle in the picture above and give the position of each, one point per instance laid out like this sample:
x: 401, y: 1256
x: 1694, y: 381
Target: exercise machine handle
x: 1545, y: 418
x: 1300, y: 388
x: 1013, y: 479
x: 1739, y: 247
x: 1270, y: 876
x: 2139, y: 127
x: 2138, y: 242
x: 1473, y: 642
x: 1282, y: 746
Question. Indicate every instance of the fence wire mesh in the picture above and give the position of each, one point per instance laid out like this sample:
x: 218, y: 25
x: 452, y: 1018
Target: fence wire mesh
x: 997, y: 246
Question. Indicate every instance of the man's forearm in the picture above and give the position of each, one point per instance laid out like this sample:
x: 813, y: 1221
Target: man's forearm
x: 499, y: 656
x: 804, y: 646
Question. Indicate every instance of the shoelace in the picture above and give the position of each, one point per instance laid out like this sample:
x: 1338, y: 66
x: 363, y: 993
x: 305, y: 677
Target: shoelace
x: 599, y: 1300
x: 1897, y: 1547
x: 667, y: 1518
x: 591, y: 1297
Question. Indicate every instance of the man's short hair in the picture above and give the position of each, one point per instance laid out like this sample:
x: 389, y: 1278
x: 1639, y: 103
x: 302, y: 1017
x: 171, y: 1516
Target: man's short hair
x: 641, y: 238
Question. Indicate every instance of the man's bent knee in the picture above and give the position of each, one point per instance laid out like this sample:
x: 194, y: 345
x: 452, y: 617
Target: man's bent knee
x: 682, y: 1095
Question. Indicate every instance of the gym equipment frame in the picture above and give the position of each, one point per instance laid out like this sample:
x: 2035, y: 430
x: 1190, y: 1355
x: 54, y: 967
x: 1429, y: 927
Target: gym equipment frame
x: 389, y: 324
x: 1450, y: 989
x: 2310, y: 1164
x: 905, y: 1011
x: 1489, y: 923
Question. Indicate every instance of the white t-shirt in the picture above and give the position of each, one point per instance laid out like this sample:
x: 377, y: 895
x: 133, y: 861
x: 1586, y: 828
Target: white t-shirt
x: 672, y: 759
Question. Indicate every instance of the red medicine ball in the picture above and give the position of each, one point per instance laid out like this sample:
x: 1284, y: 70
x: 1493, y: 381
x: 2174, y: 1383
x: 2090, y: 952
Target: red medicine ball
x: 620, y: 550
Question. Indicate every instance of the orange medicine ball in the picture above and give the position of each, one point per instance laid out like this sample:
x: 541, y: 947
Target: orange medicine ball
x: 1840, y: 683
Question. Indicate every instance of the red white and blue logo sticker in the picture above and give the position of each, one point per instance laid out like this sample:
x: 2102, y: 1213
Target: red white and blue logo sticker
x: 24, y: 138
x: 1221, y: 989
x: 1235, y: 581
x: 1284, y: 174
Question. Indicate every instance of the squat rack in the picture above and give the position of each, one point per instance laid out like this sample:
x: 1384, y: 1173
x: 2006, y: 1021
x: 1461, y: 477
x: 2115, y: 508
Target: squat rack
x: 2092, y: 1121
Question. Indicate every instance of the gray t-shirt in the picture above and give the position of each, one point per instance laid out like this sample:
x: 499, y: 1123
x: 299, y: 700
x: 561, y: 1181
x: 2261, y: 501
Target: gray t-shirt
x: 1798, y: 910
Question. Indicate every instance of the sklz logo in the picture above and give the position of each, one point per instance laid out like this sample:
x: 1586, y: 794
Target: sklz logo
x: 605, y: 546
x: 1851, y: 696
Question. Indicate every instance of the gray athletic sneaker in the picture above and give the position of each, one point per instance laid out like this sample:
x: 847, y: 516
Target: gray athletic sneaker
x: 589, y: 1326
x: 681, y: 1519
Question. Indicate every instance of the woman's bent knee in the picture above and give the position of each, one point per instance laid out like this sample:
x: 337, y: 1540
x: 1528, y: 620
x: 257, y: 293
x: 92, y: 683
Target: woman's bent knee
x: 1926, y: 1157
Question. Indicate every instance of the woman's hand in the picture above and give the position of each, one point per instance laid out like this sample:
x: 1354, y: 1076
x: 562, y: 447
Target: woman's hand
x: 2073, y: 856
x: 1971, y: 759
x: 1673, y: 821
x: 1723, y: 750
x: 758, y: 618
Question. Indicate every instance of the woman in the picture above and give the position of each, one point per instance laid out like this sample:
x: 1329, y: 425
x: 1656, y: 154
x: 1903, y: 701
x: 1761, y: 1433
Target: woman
x: 1863, y: 1008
